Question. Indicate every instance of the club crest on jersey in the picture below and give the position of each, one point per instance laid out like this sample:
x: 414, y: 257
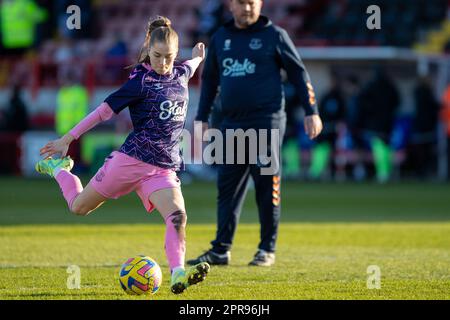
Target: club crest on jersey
x: 156, y: 86
x: 255, y: 44
x: 152, y: 84
x: 233, y: 68
x: 227, y: 45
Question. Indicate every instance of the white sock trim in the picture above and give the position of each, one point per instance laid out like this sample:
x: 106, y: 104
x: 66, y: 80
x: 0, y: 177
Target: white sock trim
x: 176, y: 269
x: 58, y: 170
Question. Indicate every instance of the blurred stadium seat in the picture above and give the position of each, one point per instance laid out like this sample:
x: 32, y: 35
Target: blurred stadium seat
x: 310, y: 23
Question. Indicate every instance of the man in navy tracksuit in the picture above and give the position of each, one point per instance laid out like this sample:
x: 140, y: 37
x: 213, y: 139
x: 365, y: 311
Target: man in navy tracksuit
x: 244, y: 59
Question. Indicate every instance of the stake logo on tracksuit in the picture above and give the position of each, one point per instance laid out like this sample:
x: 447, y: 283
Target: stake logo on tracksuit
x: 233, y: 68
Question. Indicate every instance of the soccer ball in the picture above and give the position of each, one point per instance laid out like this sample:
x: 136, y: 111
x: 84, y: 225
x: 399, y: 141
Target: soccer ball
x: 140, y: 275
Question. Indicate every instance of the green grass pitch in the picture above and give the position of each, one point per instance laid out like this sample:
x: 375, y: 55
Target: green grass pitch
x: 329, y: 235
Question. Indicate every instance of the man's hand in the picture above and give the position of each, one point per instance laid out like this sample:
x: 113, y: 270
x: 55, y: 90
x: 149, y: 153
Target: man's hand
x: 60, y: 145
x: 313, y: 126
x: 198, y: 51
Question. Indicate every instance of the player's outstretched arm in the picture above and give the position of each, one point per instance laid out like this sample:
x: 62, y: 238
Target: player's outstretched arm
x: 199, y: 51
x: 210, y: 83
x: 198, y: 54
x: 58, y: 146
x: 61, y: 145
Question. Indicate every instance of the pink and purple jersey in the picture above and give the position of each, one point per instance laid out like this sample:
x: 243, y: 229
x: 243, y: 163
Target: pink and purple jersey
x: 158, y: 106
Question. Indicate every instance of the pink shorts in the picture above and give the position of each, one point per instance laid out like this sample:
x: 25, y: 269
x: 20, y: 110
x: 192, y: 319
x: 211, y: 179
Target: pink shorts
x: 122, y: 174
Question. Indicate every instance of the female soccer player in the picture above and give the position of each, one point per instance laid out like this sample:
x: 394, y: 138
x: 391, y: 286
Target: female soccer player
x: 156, y: 94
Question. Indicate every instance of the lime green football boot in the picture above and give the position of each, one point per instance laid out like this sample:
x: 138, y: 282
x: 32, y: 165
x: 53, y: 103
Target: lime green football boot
x: 177, y: 283
x: 48, y: 166
x: 185, y: 278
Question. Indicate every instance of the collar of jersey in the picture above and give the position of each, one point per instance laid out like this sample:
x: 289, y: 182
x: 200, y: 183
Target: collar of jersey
x: 156, y: 75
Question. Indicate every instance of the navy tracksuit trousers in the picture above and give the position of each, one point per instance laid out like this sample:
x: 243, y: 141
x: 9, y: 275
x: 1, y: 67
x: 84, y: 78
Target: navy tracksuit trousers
x: 232, y: 186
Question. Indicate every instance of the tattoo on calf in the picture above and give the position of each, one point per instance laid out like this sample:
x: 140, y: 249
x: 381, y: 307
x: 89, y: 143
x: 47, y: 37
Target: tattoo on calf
x: 178, y: 218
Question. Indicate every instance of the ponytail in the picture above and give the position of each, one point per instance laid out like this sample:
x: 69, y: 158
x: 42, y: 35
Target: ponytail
x: 158, y: 29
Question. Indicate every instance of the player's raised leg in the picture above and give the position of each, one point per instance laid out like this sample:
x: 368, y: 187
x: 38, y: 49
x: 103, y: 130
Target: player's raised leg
x: 87, y: 201
x: 170, y: 203
x: 80, y: 201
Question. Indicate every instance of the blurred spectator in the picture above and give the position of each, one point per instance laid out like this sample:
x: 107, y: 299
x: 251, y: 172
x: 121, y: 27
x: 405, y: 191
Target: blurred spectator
x: 351, y: 91
x: 72, y: 104
x: 211, y: 15
x: 18, y: 19
x: 424, y: 133
x: 378, y: 104
x: 332, y: 111
x: 352, y: 138
x: 15, y: 118
x: 118, y: 49
x: 64, y: 56
x: 65, y: 51
x: 116, y: 58
x: 291, y: 145
x: 445, y: 116
x: 208, y: 171
x: 71, y: 108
